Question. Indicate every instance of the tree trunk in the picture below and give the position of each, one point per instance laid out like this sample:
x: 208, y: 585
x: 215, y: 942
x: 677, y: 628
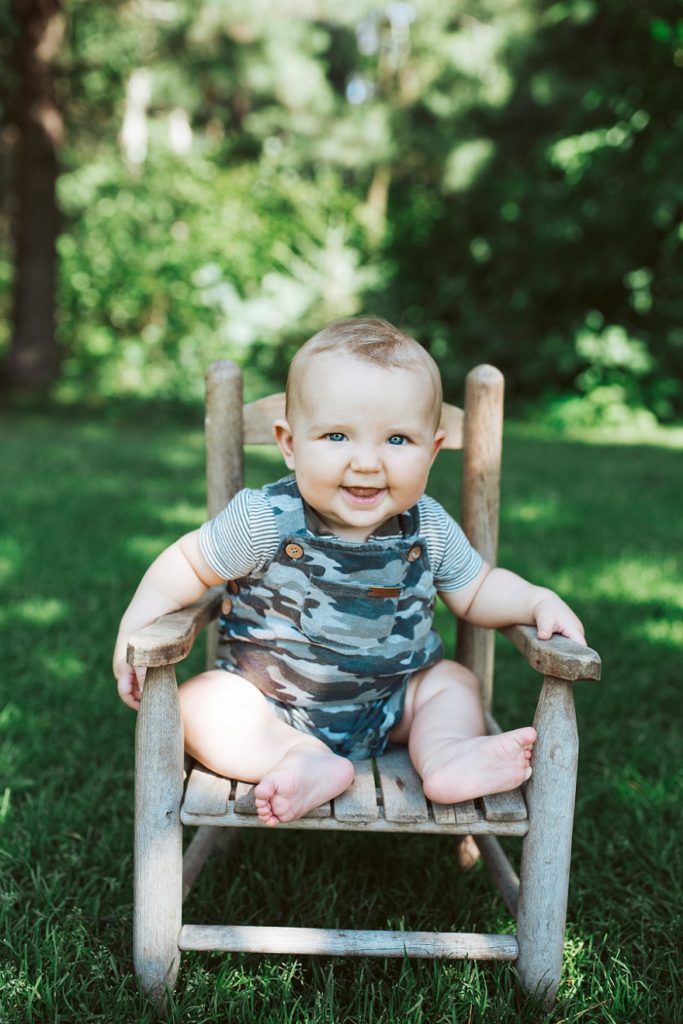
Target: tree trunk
x: 33, y: 358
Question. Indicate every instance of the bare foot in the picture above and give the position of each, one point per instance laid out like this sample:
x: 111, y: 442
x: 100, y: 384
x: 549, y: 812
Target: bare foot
x: 305, y: 778
x: 481, y: 765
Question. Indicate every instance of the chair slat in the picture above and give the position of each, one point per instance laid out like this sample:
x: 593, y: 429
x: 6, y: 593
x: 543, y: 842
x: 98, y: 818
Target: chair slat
x: 245, y: 803
x: 404, y: 800
x: 359, y: 802
x: 452, y: 421
x: 464, y: 813
x: 206, y: 793
x: 259, y: 416
x: 508, y: 806
x: 400, y: 807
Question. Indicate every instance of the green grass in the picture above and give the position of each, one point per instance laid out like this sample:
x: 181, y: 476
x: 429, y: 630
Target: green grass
x: 88, y: 499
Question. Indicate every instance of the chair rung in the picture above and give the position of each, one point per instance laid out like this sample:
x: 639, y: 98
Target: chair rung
x: 332, y: 942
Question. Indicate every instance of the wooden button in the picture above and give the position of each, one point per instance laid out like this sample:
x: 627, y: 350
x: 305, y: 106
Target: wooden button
x: 414, y: 553
x: 226, y: 606
x: 294, y: 550
x: 232, y: 587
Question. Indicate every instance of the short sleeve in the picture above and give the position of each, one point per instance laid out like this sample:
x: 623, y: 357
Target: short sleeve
x: 454, y: 561
x: 242, y: 538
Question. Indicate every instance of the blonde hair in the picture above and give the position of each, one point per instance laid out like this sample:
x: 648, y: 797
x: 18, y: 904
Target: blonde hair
x: 369, y: 339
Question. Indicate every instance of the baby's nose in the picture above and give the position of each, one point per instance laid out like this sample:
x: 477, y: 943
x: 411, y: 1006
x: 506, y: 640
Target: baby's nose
x: 365, y: 459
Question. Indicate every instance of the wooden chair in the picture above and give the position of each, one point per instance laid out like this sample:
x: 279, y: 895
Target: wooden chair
x: 542, y: 816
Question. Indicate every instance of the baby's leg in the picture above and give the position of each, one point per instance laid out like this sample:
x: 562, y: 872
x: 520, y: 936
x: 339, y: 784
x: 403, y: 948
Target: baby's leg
x: 230, y: 728
x: 444, y: 728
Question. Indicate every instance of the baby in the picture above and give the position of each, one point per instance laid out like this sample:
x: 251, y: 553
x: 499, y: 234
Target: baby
x: 327, y: 650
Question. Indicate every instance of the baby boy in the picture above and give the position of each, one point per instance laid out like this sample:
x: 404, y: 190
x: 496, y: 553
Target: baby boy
x: 327, y: 650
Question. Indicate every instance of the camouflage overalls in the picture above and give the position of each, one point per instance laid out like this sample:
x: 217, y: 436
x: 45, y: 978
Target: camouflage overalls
x: 331, y: 631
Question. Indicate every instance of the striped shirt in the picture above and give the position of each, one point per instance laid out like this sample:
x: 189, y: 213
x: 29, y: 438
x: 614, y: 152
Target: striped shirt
x: 243, y: 539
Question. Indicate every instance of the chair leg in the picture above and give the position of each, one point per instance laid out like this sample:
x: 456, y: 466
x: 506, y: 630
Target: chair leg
x: 544, y: 880
x: 158, y: 834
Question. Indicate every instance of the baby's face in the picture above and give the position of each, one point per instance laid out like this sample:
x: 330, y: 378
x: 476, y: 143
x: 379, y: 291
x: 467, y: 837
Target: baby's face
x: 361, y: 441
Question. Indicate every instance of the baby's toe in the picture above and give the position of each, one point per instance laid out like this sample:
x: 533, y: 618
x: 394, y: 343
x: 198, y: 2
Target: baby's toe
x: 265, y: 790
x: 526, y: 736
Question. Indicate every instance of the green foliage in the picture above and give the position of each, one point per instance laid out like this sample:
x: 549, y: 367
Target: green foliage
x: 154, y: 286
x: 562, y: 209
x: 504, y: 182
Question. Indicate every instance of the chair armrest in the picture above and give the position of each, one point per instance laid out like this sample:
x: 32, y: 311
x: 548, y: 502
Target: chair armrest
x: 558, y: 657
x: 170, y: 638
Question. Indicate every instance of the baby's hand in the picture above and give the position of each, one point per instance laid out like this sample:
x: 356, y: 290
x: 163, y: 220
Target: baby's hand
x: 553, y: 615
x: 129, y: 680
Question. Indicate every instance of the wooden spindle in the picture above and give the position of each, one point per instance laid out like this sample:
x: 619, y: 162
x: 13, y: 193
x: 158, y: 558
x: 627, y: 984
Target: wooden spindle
x: 544, y: 872
x: 158, y: 833
x: 224, y: 451
x: 482, y: 450
x: 224, y: 433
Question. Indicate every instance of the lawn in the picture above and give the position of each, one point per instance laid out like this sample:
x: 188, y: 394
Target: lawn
x: 88, y: 499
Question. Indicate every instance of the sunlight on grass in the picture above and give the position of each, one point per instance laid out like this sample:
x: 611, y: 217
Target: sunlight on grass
x: 10, y: 558
x: 651, y: 436
x: 638, y: 579
x: 576, y: 951
x: 627, y: 580
x: 5, y: 805
x: 37, y: 611
x: 10, y: 716
x: 144, y: 549
x: 632, y: 787
x: 63, y: 665
x: 183, y: 515
x: 545, y: 509
x: 661, y: 631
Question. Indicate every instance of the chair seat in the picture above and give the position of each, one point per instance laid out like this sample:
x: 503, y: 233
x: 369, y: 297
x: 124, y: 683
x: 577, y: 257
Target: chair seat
x: 386, y: 796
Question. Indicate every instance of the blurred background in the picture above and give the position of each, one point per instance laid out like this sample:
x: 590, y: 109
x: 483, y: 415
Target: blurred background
x: 185, y: 181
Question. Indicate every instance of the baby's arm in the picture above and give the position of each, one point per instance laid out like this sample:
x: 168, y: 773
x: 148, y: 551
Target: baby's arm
x: 179, y: 576
x: 498, y: 597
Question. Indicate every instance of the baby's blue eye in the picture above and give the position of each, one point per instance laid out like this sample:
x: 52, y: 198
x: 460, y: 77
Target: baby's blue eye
x: 335, y: 436
x: 398, y: 439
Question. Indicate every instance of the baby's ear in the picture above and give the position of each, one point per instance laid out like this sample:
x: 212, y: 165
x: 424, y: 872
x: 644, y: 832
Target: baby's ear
x: 439, y: 438
x: 283, y: 439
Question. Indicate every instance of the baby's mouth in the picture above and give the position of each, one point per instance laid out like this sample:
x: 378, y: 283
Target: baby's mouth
x: 364, y: 493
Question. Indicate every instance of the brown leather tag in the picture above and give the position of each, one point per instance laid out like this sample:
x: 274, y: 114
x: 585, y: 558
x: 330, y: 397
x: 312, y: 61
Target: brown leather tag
x: 384, y: 591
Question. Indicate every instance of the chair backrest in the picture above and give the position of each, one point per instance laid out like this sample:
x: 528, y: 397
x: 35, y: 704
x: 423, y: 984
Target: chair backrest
x: 477, y: 430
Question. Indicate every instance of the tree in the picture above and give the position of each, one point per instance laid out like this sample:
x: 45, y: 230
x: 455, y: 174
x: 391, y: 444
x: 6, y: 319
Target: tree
x: 33, y: 357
